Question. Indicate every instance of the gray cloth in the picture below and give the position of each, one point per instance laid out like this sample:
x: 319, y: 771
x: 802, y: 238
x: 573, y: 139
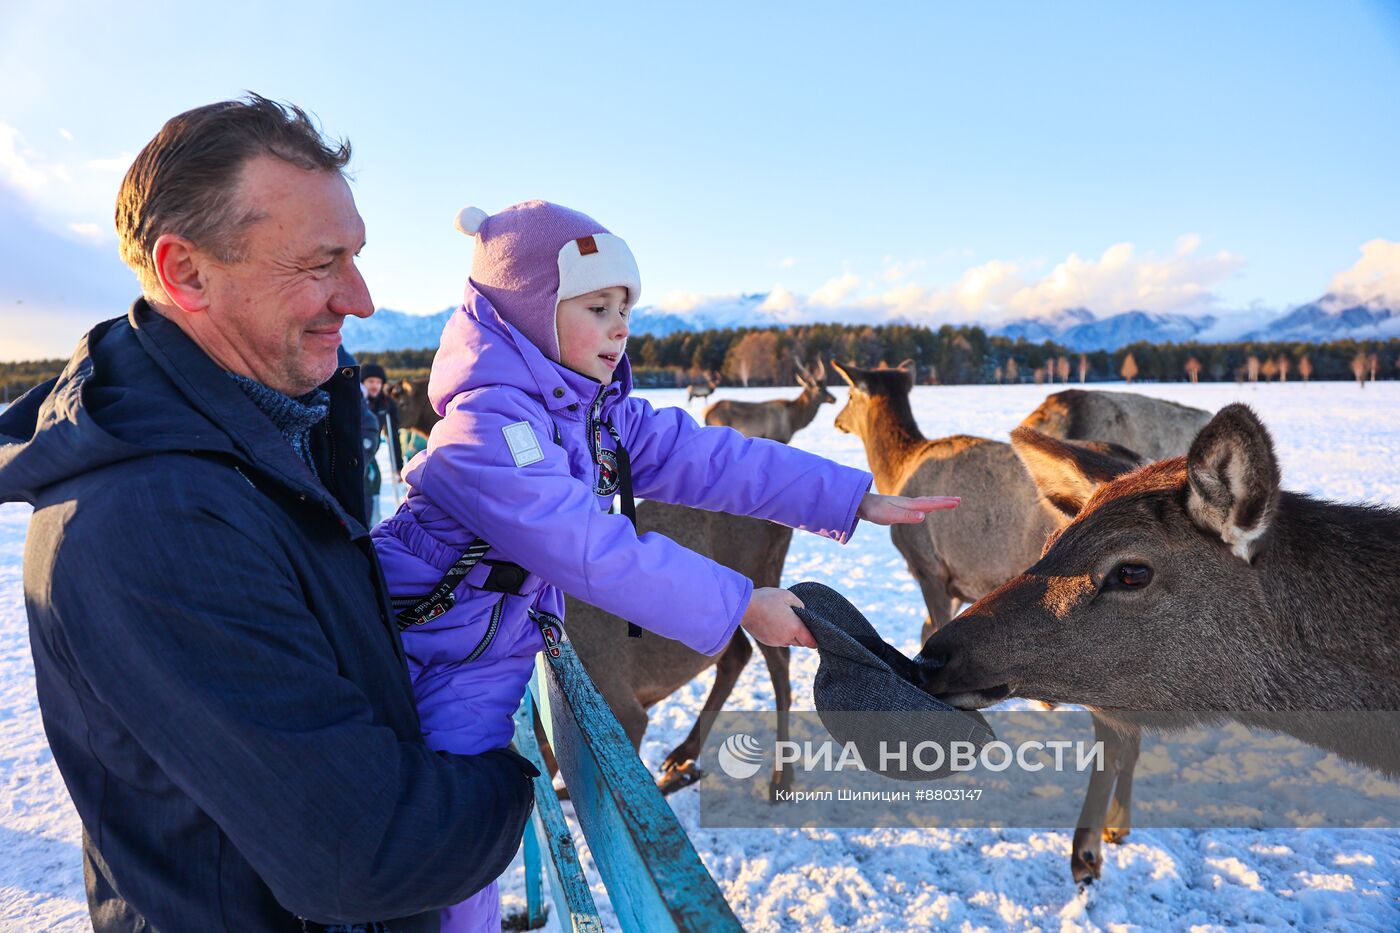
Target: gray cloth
x: 867, y: 692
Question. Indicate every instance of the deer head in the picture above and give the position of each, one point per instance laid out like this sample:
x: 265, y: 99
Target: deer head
x: 871, y: 388
x: 1153, y: 597
x: 814, y: 382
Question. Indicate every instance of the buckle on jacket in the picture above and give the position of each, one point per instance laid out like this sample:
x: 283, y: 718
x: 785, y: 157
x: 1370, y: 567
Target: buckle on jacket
x: 505, y: 577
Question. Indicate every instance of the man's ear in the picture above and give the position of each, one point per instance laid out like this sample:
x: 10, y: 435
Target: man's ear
x: 179, y: 267
x: 1068, y: 473
x: 1233, y: 479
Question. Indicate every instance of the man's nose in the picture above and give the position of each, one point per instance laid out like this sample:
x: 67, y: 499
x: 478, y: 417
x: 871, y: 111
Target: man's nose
x: 352, y: 297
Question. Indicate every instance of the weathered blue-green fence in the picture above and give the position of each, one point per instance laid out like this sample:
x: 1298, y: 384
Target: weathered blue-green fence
x: 653, y: 876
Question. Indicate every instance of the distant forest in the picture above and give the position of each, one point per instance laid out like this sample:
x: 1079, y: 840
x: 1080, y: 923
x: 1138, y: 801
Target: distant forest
x: 961, y: 356
x: 946, y: 356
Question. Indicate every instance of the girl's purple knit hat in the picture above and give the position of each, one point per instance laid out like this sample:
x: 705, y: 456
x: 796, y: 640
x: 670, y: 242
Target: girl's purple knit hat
x: 533, y: 255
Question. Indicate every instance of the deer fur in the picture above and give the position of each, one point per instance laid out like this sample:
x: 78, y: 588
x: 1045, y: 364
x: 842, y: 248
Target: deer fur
x: 777, y: 419
x: 634, y: 674
x: 1258, y: 601
x: 1002, y: 523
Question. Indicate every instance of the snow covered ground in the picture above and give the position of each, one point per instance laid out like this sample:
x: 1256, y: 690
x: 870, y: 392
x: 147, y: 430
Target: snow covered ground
x: 1334, y: 440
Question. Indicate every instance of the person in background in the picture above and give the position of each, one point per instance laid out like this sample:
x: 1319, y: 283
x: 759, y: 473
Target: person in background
x: 386, y: 414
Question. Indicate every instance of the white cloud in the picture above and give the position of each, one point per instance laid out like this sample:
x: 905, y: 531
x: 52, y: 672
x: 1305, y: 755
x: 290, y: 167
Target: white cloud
x: 787, y: 262
x: 1375, y: 277
x: 18, y: 163
x: 88, y: 231
x: 834, y: 292
x: 1121, y: 278
x: 895, y: 270
x: 65, y: 134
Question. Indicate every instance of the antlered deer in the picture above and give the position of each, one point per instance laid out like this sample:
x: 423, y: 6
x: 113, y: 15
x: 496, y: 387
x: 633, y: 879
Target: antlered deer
x: 778, y: 419
x: 702, y: 390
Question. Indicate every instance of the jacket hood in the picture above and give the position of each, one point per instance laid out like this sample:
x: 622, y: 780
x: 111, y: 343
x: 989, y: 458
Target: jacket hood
x: 135, y: 387
x: 103, y: 408
x: 479, y: 348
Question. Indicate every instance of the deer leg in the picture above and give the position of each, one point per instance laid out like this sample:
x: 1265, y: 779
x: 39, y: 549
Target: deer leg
x: 779, y: 661
x: 727, y: 670
x: 1119, y: 821
x: 940, y: 603
x: 1086, y: 853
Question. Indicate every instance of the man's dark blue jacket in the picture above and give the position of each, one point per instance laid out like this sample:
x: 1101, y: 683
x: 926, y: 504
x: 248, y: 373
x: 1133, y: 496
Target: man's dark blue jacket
x: 221, y: 682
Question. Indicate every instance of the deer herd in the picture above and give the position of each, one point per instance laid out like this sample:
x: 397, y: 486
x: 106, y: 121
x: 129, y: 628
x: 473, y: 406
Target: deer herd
x: 1123, y: 553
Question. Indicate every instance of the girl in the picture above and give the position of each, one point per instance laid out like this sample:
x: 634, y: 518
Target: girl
x: 509, y: 506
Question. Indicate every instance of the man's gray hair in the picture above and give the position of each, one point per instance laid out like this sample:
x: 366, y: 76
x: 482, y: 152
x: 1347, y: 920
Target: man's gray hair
x: 185, y: 179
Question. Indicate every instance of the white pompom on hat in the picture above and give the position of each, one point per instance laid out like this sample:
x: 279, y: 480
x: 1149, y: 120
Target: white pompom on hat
x: 531, y: 256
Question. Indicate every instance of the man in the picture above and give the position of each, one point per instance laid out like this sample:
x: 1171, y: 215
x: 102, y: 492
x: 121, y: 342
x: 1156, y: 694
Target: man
x: 221, y: 681
x: 386, y: 413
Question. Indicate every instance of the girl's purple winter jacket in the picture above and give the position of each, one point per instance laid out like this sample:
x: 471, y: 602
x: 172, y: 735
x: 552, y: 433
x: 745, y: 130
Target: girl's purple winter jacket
x: 547, y: 512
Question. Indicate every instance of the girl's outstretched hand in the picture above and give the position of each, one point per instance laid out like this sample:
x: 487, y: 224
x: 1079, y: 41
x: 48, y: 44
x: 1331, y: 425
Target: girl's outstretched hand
x: 771, y: 620
x: 902, y: 510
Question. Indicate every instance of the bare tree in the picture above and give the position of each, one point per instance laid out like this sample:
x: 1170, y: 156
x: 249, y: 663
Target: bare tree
x: 1252, y: 367
x: 755, y: 357
x: 1130, y: 369
x: 1269, y: 370
x: 1375, y: 364
x: 1040, y: 375
x: 1193, y: 369
x: 1013, y: 372
x: 997, y: 375
x: 1062, y: 369
x: 1305, y: 368
x: 1358, y: 368
x: 1083, y: 367
x: 1283, y: 365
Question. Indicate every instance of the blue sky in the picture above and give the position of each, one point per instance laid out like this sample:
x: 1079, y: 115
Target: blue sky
x: 935, y: 161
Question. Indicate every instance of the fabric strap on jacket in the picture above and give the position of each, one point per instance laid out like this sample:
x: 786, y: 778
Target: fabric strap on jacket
x: 629, y: 504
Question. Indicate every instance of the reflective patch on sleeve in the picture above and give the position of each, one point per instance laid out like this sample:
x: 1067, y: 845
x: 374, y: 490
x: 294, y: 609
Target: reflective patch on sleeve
x: 524, y: 446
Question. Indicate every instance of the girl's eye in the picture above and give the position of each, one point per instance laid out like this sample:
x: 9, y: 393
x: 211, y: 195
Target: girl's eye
x: 598, y: 310
x: 1130, y: 577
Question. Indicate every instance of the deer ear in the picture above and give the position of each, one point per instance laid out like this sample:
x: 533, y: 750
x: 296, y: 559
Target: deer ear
x: 1068, y: 473
x: 841, y: 370
x: 1233, y: 479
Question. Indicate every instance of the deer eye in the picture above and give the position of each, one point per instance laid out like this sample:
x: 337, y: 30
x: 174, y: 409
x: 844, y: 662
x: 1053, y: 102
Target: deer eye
x: 1131, y: 576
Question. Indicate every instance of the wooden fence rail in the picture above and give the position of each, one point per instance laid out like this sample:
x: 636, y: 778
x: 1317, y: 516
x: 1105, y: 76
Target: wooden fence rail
x: 653, y: 876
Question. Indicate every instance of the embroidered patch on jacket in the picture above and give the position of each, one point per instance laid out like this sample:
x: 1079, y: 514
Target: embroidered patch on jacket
x: 607, y: 472
x: 524, y: 446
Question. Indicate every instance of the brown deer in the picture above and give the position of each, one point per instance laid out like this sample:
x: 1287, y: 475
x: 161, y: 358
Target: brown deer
x: 415, y: 410
x: 702, y: 390
x: 1201, y: 585
x: 1152, y: 427
x: 634, y: 674
x: 1003, y: 524
x: 777, y: 419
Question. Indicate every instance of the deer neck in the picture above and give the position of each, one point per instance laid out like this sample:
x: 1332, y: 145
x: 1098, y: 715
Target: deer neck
x: 1331, y: 579
x: 893, y: 442
x: 803, y: 409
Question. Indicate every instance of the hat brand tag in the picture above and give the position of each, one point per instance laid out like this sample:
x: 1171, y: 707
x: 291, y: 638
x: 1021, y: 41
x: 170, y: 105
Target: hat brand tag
x: 524, y: 446
x: 587, y: 246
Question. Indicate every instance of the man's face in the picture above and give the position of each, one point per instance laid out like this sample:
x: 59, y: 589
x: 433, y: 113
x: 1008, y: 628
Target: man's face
x: 593, y: 332
x: 373, y: 386
x: 278, y: 312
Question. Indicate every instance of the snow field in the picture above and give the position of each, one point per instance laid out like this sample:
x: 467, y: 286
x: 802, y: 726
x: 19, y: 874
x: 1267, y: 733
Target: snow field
x: 1334, y: 440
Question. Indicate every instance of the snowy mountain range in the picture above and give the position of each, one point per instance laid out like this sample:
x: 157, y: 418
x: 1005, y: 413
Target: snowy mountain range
x: 1331, y: 317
